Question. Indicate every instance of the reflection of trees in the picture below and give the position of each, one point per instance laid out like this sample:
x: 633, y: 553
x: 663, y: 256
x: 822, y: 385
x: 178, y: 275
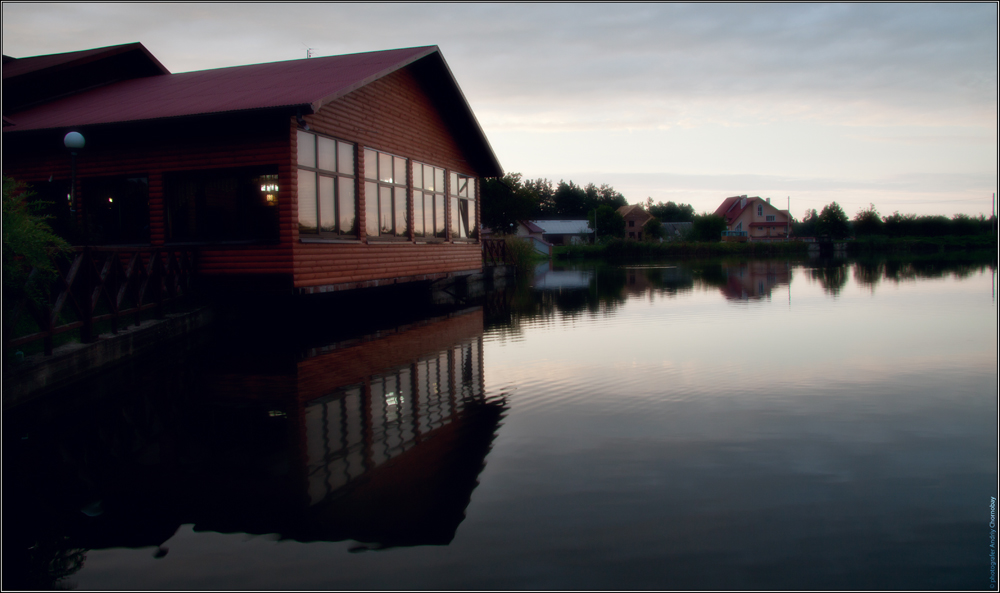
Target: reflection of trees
x: 831, y: 276
x: 870, y: 271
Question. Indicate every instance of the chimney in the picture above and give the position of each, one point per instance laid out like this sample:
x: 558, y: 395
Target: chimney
x: 769, y: 200
x: 743, y: 201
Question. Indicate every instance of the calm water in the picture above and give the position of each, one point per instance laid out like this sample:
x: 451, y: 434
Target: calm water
x: 733, y: 425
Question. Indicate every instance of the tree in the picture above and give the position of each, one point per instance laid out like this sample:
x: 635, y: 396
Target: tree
x: 807, y: 226
x: 28, y: 243
x: 833, y: 222
x: 610, y: 224
x: 707, y: 227
x: 868, y: 222
x: 544, y: 192
x: 506, y: 201
x: 570, y: 199
x: 671, y: 212
x: 652, y: 229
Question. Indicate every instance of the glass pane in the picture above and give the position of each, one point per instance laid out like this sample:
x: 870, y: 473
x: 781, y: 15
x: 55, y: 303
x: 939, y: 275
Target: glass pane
x: 307, y: 201
x: 463, y: 187
x: 327, y: 219
x: 472, y: 187
x: 402, y: 230
x: 371, y: 164
x: 418, y: 175
x: 439, y: 180
x: 429, y: 177
x: 473, y: 225
x: 307, y: 149
x: 418, y: 214
x: 454, y: 218
x: 345, y: 158
x: 385, y: 210
x: 453, y: 186
x: 439, y: 215
x: 399, y: 170
x: 371, y: 209
x: 463, y: 219
x: 326, y: 150
x: 345, y: 199
x: 385, y: 167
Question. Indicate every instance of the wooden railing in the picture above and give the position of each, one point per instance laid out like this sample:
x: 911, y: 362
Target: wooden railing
x: 494, y: 252
x: 102, y: 284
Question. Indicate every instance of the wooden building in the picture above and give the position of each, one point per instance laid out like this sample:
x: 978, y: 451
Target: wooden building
x: 303, y: 176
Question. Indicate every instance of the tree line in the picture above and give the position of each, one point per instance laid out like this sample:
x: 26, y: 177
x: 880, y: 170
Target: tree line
x: 833, y: 222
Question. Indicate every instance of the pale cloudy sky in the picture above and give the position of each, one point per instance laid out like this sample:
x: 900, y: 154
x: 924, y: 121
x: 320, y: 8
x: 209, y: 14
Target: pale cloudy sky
x: 894, y: 104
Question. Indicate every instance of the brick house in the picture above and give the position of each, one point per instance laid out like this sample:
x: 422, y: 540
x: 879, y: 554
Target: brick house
x: 306, y: 176
x: 754, y: 219
x: 635, y: 218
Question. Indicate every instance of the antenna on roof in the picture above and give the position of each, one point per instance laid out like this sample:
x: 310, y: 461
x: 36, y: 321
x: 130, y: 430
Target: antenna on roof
x: 309, y: 52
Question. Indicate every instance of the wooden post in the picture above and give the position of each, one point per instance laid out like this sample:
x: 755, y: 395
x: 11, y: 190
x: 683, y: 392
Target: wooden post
x: 87, y: 291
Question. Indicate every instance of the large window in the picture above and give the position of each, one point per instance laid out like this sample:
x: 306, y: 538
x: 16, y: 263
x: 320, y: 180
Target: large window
x: 223, y: 204
x: 116, y: 210
x: 428, y: 201
x: 326, y: 187
x: 463, y: 206
x: 385, y: 195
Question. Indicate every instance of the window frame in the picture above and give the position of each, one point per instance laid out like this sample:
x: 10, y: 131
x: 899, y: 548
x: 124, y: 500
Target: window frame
x: 319, y: 172
x: 455, y: 199
x: 373, y: 199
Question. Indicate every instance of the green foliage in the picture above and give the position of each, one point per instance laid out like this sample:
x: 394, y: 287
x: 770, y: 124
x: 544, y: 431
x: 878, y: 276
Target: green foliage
x: 652, y: 230
x: 807, y: 226
x: 28, y: 243
x: 867, y: 222
x: 506, y: 201
x: 671, y: 212
x: 610, y: 224
x: 570, y: 199
x: 707, y: 227
x: 520, y: 253
x: 833, y: 222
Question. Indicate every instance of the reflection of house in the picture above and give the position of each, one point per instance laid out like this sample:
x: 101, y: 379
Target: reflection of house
x: 317, y: 174
x: 754, y: 279
x: 635, y: 218
x: 755, y: 219
x: 379, y: 439
x: 567, y: 231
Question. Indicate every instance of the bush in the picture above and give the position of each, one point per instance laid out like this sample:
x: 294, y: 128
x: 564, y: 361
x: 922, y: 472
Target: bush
x: 28, y: 244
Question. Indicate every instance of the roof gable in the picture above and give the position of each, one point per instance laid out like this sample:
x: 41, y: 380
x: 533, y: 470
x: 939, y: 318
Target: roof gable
x: 39, y: 79
x: 304, y: 85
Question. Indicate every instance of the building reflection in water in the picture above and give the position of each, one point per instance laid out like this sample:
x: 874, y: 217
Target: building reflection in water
x: 378, y: 439
x: 754, y: 280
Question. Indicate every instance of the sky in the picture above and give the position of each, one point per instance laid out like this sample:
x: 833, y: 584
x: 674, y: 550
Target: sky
x: 887, y: 104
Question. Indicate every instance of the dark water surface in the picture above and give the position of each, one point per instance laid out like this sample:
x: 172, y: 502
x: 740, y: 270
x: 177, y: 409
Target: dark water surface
x: 691, y: 425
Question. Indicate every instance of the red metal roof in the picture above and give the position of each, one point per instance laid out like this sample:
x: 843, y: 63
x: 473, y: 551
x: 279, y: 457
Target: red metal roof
x: 307, y: 82
x: 20, y: 66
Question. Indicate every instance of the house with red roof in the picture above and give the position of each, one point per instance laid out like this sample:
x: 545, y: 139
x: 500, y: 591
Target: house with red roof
x: 754, y: 219
x: 635, y: 218
x: 308, y: 175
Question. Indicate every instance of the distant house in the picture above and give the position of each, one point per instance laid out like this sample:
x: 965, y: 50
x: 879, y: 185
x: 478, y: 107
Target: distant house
x: 565, y: 231
x: 754, y: 219
x: 635, y: 218
x: 675, y: 230
x: 534, y: 233
x: 314, y: 175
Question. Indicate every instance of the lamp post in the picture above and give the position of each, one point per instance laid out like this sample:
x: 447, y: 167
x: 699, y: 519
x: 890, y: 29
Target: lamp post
x: 74, y: 141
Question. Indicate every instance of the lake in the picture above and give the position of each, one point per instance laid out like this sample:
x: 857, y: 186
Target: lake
x: 723, y: 424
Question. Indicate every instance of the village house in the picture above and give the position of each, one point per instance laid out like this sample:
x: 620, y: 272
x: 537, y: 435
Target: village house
x: 635, y: 218
x: 754, y: 219
x: 308, y: 175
